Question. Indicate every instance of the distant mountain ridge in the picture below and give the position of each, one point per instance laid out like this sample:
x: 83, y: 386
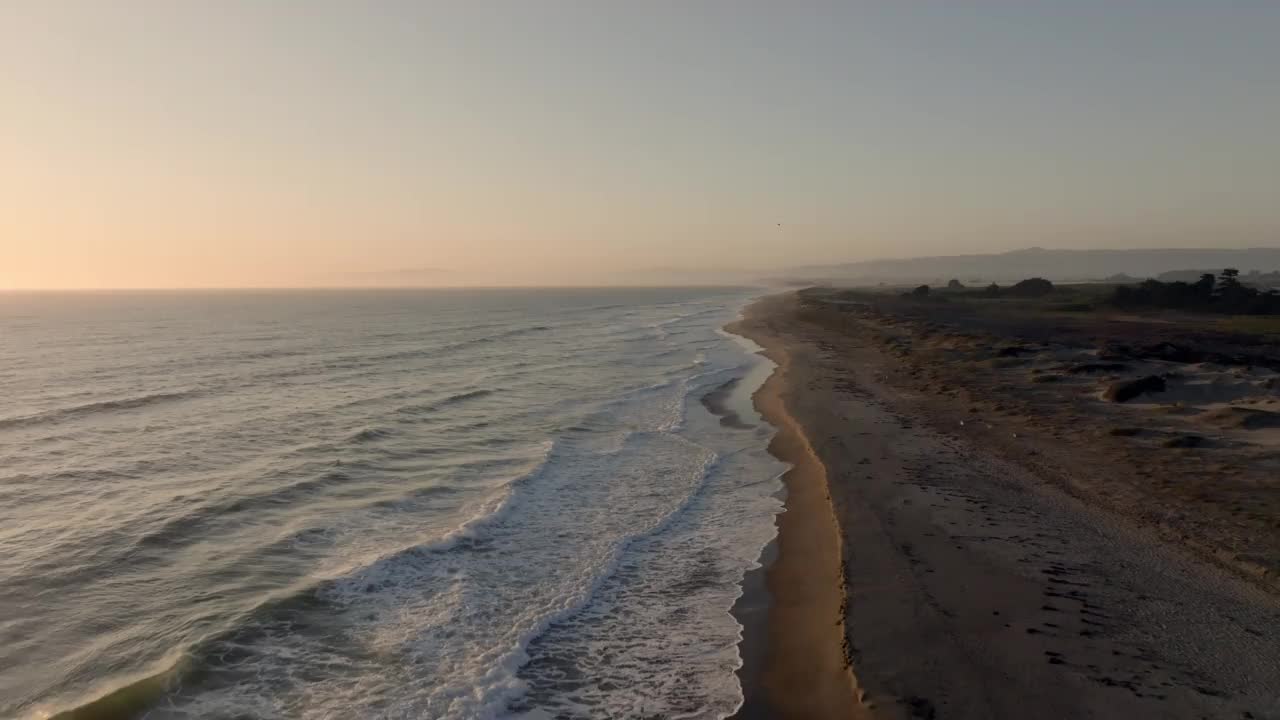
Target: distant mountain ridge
x: 1059, y: 265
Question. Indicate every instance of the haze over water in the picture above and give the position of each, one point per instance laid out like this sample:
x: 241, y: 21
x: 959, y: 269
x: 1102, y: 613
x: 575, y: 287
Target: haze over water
x: 447, y: 504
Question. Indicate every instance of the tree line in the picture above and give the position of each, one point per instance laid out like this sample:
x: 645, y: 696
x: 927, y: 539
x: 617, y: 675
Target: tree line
x: 1223, y: 294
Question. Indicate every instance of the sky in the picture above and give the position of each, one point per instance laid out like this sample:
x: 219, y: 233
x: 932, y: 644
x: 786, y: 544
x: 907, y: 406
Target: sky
x: 231, y: 143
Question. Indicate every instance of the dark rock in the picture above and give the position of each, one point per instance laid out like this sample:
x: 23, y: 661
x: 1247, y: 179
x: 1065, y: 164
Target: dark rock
x: 921, y: 708
x: 1185, y: 441
x: 1115, y: 351
x: 1094, y: 367
x: 1169, y: 352
x: 1244, y: 418
x: 1126, y: 390
x: 1126, y: 431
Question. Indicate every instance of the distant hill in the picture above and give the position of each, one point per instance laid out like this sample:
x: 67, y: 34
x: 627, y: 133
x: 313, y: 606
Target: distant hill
x: 1057, y: 265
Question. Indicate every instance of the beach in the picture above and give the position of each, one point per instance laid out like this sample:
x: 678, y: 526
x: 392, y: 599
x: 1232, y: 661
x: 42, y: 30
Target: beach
x: 947, y: 553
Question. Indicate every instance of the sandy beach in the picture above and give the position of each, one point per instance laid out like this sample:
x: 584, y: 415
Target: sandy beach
x: 804, y: 581
x: 939, y: 558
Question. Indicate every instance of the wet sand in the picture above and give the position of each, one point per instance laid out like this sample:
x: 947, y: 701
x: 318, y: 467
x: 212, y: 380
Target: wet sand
x: 803, y: 669
x: 973, y: 585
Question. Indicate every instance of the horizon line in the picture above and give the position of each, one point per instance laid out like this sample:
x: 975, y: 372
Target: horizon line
x: 279, y: 288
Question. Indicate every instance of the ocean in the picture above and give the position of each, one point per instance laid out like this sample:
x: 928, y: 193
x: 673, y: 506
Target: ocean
x: 377, y: 504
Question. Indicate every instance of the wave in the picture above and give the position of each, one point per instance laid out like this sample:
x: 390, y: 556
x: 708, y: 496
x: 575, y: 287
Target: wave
x: 304, y: 614
x: 376, y: 433
x: 400, y: 575
x: 265, y: 354
x: 667, y: 401
x: 325, y: 366
x: 221, y: 651
x: 498, y: 697
x: 451, y: 400
x: 371, y: 435
x: 193, y: 526
x: 136, y: 697
x: 363, y: 360
x: 662, y: 325
x: 129, y: 700
x: 385, y: 577
x: 102, y: 406
x: 488, y: 513
x: 464, y: 396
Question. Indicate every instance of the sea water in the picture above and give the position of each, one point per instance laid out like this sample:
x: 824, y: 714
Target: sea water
x: 375, y: 504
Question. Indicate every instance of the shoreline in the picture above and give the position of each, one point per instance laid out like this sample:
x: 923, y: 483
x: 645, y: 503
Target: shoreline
x: 795, y: 659
x: 972, y: 585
